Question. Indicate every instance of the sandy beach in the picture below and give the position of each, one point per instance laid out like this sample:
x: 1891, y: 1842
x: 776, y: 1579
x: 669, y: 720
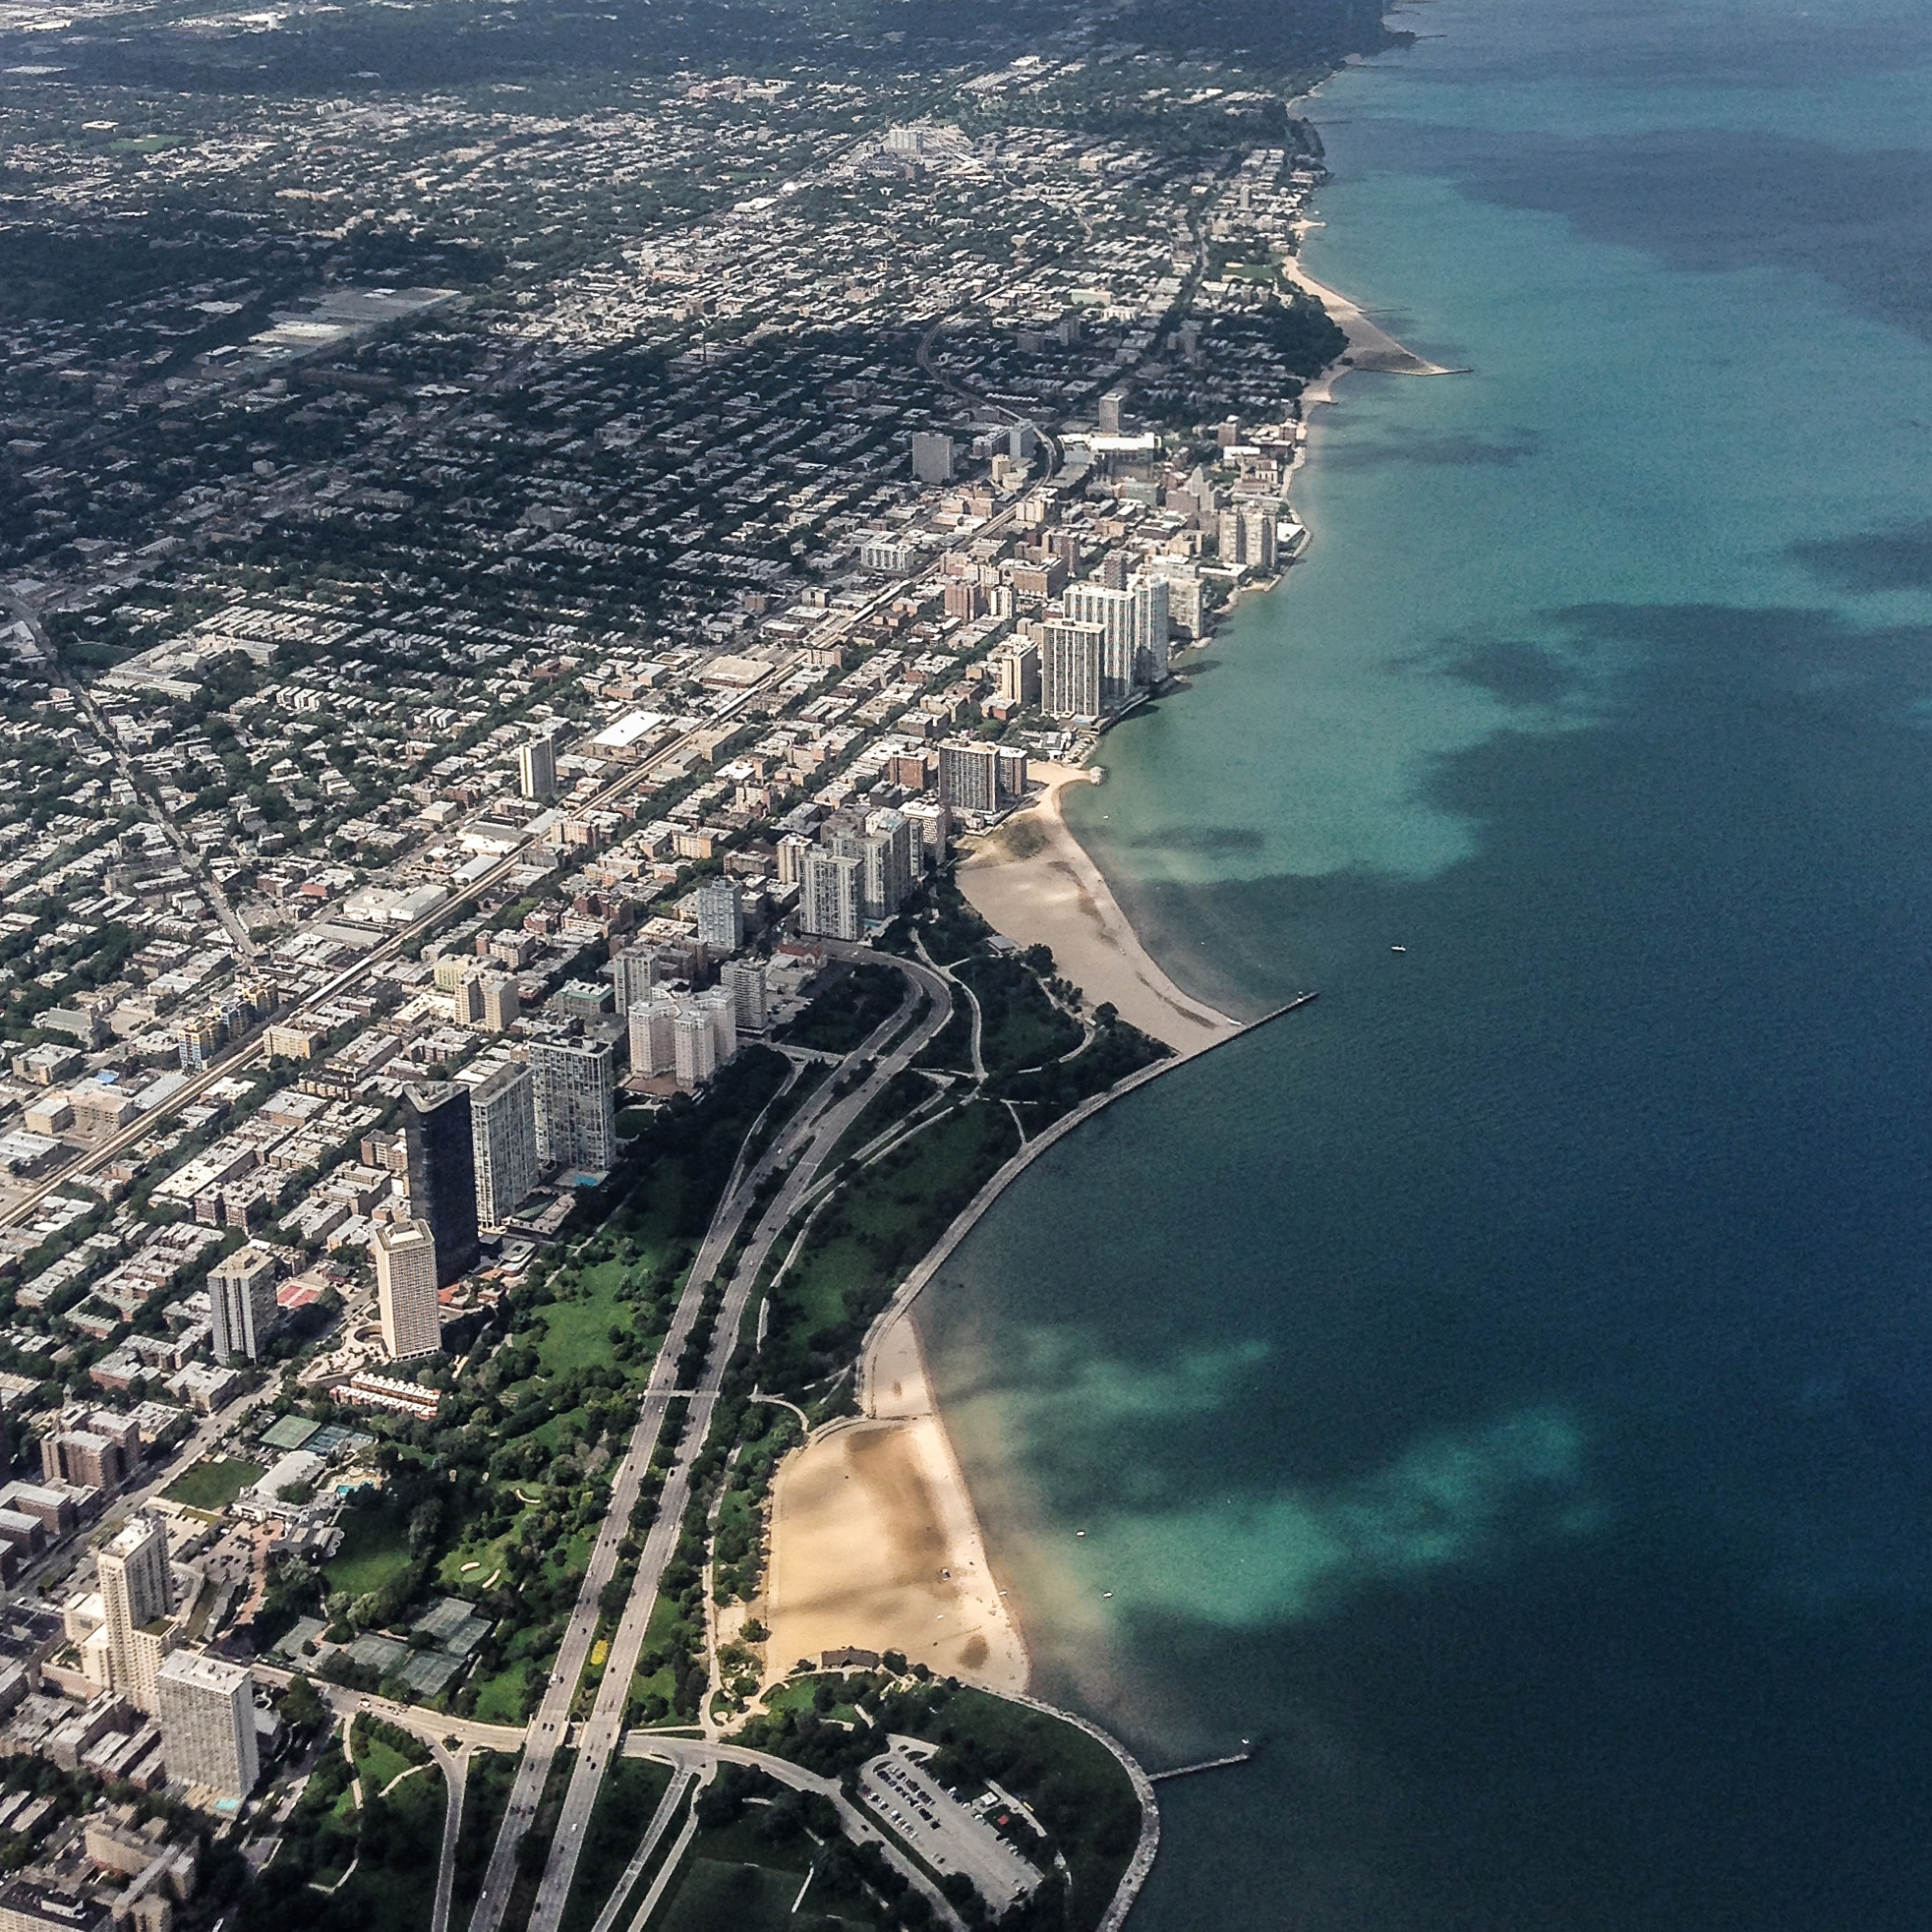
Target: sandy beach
x: 875, y: 1544
x: 1033, y: 881
x: 1369, y: 345
x: 874, y: 1541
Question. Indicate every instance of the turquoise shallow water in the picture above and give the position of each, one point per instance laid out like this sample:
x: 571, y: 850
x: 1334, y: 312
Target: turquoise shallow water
x: 1507, y: 1386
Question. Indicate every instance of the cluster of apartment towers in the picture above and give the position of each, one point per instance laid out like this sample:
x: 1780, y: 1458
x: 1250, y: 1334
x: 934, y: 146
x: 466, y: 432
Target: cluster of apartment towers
x: 470, y: 1152
x: 1109, y: 640
x: 129, y: 1637
x: 862, y: 865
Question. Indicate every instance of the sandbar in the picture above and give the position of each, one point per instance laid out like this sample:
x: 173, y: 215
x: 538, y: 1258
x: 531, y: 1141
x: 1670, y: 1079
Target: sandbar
x: 875, y: 1544
x: 1032, y: 880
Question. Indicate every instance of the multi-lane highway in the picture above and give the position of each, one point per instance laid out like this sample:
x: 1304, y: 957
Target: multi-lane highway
x: 799, y: 1149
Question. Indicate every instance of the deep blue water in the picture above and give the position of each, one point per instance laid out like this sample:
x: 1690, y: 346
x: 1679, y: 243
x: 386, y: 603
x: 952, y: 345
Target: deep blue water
x: 1506, y: 1385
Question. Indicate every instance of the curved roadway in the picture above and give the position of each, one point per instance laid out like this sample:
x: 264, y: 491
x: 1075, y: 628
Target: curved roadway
x: 800, y: 1147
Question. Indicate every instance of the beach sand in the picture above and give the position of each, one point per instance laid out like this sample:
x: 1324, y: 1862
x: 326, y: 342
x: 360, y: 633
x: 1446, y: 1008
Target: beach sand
x: 1033, y: 881
x: 1369, y: 345
x: 875, y: 1544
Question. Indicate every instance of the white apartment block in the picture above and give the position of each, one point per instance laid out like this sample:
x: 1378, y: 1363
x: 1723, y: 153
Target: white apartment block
x: 206, y: 1709
x: 405, y: 1290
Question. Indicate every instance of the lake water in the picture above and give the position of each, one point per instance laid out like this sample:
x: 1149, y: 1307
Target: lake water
x: 1505, y: 1387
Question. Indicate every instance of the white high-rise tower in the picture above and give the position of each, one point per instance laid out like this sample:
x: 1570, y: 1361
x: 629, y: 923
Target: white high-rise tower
x: 207, y: 1708
x: 137, y: 1595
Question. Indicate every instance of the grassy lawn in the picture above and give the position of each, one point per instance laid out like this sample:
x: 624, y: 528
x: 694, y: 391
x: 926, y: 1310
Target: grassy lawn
x: 1020, y: 1025
x: 720, y: 1897
x: 631, y: 1789
x: 794, y: 1694
x: 214, y: 1484
x: 577, y: 1331
x: 738, y: 1877
x: 551, y: 1434
x: 1111, y: 1055
x: 571, y: 1558
x: 500, y: 1698
x: 886, y: 1219
x: 657, y: 1637
x: 801, y: 1694
x: 380, y: 1764
x: 741, y: 1842
x: 454, y: 1574
x: 375, y: 1548
x: 577, y: 1324
x: 382, y: 1759
x: 508, y: 1693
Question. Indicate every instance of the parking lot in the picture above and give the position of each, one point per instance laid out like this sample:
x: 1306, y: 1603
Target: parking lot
x: 942, y: 1831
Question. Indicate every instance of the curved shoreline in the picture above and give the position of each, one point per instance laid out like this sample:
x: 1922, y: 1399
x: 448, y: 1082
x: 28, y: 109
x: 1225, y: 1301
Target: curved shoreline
x: 872, y: 1581
x: 1053, y: 893
x: 1148, y: 1847
x: 876, y: 1545
x: 963, y: 1223
x: 1058, y: 893
x: 1369, y: 345
x: 895, y: 1320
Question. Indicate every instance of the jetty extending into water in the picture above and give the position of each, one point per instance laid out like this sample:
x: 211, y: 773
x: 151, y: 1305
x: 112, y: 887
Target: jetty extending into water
x: 962, y: 1225
x: 1249, y: 1746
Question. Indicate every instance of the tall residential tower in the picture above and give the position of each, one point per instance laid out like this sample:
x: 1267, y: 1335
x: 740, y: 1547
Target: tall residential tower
x: 406, y: 1289
x: 439, y: 1141
x: 503, y: 1121
x: 576, y: 1087
x: 241, y: 1302
x: 207, y: 1708
x: 137, y: 1595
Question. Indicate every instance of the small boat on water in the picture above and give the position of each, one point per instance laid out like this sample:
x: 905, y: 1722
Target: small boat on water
x: 1398, y: 949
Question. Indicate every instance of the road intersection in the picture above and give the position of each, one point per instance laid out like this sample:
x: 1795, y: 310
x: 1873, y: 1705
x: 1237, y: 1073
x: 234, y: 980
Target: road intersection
x: 797, y: 1152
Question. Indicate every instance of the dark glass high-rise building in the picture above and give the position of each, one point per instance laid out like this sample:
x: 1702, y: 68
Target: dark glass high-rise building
x: 439, y: 1141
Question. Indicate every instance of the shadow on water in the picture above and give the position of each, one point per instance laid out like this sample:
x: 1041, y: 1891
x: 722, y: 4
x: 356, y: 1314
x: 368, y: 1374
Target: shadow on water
x: 1200, y: 839
x: 1871, y: 560
x: 1396, y: 444
x: 1711, y: 201
x: 1504, y: 1499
